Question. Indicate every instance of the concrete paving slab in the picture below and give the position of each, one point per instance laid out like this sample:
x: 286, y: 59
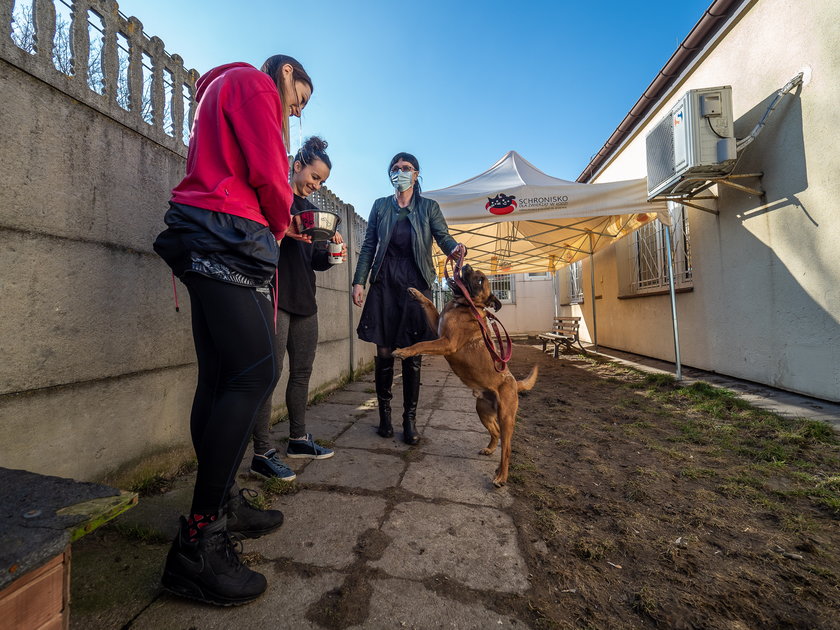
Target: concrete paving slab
x: 430, y: 396
x: 363, y: 435
x: 457, y: 420
x: 466, y: 444
x: 159, y: 514
x: 366, y: 387
x: 457, y: 403
x: 354, y: 468
x: 457, y: 391
x: 456, y: 479
x: 475, y: 546
x: 283, y: 605
x: 320, y: 528
x: 361, y: 400
x: 421, y: 420
x: 323, y: 429
x: 428, y: 610
x: 338, y: 413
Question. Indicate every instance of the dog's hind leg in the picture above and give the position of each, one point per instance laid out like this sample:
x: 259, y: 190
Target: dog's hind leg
x: 507, y: 419
x: 485, y: 406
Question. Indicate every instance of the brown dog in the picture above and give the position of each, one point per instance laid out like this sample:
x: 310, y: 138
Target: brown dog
x: 461, y: 343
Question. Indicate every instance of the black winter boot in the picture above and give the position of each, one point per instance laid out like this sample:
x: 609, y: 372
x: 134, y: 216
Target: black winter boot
x: 245, y: 519
x: 209, y: 569
x: 384, y: 377
x: 411, y: 393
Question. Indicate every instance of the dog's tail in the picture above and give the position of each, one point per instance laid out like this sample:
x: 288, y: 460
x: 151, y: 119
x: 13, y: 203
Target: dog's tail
x: 529, y: 382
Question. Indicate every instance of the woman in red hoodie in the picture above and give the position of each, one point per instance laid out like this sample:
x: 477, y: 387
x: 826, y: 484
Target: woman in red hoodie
x: 224, y: 223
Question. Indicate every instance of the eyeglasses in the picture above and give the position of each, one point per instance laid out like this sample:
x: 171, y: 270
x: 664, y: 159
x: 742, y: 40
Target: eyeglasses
x: 404, y: 169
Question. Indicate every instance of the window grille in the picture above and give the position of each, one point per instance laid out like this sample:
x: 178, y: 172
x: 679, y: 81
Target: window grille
x: 649, y: 259
x: 503, y: 288
x: 576, y: 282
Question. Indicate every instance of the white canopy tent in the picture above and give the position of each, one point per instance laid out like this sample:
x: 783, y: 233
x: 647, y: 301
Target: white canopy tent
x: 514, y: 218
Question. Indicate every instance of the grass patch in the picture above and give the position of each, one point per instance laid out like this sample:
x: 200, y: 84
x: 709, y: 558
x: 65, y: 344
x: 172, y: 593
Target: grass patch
x: 140, y: 533
x: 659, y: 380
x: 644, y: 602
x: 278, y: 487
x: 154, y: 473
x: 691, y: 472
x: 591, y: 549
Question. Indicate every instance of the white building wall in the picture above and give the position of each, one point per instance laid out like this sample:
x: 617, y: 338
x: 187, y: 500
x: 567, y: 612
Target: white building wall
x: 765, y: 304
x: 533, y: 311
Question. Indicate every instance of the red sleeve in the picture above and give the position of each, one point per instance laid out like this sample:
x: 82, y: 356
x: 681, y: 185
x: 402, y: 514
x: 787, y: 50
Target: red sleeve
x: 257, y: 123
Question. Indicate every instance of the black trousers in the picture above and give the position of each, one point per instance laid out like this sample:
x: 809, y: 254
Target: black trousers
x: 233, y: 330
x: 297, y: 334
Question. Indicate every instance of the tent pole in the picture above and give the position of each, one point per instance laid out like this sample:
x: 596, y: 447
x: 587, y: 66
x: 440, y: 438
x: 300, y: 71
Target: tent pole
x: 673, y: 303
x: 556, y: 305
x: 592, y: 281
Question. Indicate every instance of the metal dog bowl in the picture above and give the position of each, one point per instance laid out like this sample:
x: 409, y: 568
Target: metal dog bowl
x: 319, y: 224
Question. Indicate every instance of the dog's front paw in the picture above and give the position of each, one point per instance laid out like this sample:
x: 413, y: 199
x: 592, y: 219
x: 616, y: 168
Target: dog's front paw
x: 415, y: 294
x: 399, y: 353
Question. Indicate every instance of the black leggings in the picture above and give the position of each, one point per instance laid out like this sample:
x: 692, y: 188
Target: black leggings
x: 234, y: 338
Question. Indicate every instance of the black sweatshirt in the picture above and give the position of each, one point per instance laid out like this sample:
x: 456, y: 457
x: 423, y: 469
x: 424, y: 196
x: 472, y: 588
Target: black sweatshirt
x: 296, y: 269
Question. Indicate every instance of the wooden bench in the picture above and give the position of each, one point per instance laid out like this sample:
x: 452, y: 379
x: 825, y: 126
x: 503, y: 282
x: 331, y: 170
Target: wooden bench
x: 565, y: 332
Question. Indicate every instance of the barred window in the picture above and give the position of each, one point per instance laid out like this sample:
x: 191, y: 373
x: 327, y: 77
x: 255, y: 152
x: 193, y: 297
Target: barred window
x: 576, y: 282
x: 503, y: 288
x: 649, y: 259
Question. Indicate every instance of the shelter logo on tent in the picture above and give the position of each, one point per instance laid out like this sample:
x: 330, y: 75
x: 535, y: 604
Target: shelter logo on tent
x: 501, y: 204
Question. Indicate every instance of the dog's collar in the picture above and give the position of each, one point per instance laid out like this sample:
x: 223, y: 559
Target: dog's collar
x: 462, y: 301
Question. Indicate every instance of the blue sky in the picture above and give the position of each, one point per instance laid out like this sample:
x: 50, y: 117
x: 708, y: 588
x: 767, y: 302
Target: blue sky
x: 457, y: 84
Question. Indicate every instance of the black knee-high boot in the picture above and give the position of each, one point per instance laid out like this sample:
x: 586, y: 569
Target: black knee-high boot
x: 411, y: 393
x: 384, y: 377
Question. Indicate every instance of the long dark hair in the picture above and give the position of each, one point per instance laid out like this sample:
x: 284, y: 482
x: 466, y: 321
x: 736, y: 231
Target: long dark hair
x: 314, y: 148
x: 411, y: 160
x: 271, y: 67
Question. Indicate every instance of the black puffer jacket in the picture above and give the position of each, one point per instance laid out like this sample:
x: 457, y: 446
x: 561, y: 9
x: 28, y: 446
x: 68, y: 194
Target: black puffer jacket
x: 245, y: 246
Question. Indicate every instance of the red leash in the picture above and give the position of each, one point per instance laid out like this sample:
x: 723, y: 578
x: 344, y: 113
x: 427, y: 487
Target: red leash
x: 504, y: 352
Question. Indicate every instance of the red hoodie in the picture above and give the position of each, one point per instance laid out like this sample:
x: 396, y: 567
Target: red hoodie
x: 237, y: 162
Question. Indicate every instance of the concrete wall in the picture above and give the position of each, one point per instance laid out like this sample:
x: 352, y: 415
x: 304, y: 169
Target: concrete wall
x: 97, y: 367
x: 765, y: 305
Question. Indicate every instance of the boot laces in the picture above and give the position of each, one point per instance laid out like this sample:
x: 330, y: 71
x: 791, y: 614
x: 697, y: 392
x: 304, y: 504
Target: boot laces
x: 230, y: 549
x: 248, y: 500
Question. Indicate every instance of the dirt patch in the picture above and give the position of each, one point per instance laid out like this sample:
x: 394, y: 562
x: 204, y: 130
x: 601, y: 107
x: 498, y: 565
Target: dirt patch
x: 344, y: 606
x: 644, y: 504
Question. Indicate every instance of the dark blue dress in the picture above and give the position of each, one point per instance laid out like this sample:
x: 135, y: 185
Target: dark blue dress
x: 391, y: 318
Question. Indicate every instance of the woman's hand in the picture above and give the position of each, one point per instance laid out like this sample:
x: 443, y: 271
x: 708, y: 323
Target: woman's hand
x: 337, y: 238
x: 459, y: 250
x: 294, y: 234
x: 358, y: 294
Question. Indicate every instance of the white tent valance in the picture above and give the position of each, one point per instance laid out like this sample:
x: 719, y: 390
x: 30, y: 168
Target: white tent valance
x: 514, y: 218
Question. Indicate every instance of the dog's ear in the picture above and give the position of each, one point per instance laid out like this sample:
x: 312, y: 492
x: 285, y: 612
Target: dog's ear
x: 493, y: 301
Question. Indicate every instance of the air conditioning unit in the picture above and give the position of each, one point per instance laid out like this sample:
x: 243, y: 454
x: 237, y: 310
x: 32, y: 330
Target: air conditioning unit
x: 694, y: 140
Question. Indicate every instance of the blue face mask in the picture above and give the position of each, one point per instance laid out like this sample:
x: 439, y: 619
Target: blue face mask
x: 402, y: 180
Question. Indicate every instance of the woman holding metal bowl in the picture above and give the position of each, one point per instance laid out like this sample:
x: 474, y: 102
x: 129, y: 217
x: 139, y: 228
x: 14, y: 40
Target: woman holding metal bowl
x: 297, y: 314
x: 397, y: 255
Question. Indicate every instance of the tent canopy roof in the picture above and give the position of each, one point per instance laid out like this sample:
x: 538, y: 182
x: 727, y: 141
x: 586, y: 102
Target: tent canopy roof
x: 514, y: 218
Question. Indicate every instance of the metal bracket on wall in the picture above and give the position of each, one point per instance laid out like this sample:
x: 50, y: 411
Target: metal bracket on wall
x: 703, y: 184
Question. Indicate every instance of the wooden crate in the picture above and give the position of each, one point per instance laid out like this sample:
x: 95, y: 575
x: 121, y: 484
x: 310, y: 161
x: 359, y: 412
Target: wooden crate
x: 39, y: 600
